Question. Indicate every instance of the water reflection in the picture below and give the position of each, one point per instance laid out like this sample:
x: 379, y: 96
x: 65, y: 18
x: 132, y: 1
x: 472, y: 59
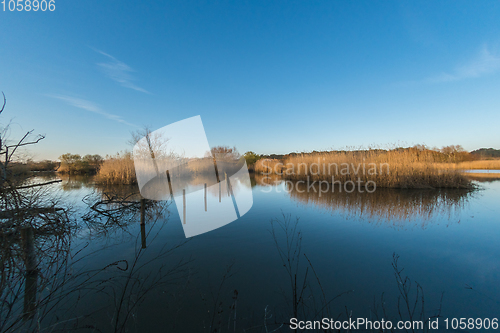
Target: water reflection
x: 176, y: 162
x: 33, y: 273
x: 391, y: 206
x: 46, y: 275
x: 484, y: 177
x: 120, y: 268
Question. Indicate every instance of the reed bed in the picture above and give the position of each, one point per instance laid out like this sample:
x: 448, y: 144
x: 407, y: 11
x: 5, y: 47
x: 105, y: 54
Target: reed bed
x: 398, y: 168
x: 471, y: 165
x: 118, y: 169
x: 269, y: 166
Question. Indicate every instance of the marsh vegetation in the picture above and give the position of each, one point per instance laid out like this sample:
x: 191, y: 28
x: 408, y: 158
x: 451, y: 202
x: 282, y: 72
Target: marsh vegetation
x: 416, y: 167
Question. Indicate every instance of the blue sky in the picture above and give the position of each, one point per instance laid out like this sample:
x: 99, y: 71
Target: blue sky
x: 267, y: 76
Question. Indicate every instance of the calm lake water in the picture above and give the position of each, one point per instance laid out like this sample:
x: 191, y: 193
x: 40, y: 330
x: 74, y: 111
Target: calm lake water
x: 482, y: 171
x: 232, y: 279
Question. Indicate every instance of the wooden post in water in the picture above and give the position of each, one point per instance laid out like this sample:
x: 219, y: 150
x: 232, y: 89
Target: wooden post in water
x: 184, y: 206
x: 143, y: 223
x: 143, y: 235
x: 29, y: 249
x: 227, y: 184
x: 143, y: 211
x: 170, y: 186
x: 30, y: 291
x: 205, y: 197
x: 30, y: 287
x: 219, y: 192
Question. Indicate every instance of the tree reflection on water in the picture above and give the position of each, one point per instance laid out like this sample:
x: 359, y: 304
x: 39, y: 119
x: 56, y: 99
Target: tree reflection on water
x: 54, y: 294
x: 395, y: 207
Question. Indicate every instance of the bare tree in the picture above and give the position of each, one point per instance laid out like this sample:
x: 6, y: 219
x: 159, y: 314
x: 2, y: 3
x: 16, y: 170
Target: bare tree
x: 21, y: 199
x: 34, y: 228
x: 225, y: 152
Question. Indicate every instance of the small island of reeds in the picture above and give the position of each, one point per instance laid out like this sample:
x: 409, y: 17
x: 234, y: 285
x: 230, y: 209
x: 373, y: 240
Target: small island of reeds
x: 414, y: 167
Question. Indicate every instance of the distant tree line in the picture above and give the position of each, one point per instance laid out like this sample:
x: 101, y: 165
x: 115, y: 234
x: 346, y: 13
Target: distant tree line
x: 447, y: 154
x: 487, y: 153
x: 46, y: 165
x: 76, y: 164
x: 69, y: 163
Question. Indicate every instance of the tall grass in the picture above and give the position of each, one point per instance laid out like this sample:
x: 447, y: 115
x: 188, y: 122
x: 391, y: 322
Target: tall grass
x: 117, y: 169
x: 120, y: 169
x: 398, y: 168
x: 269, y: 166
x: 471, y: 165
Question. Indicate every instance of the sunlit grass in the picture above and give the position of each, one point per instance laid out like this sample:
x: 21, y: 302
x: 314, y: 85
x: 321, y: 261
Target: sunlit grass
x: 471, y: 165
x: 398, y: 168
x: 118, y: 169
x: 268, y: 166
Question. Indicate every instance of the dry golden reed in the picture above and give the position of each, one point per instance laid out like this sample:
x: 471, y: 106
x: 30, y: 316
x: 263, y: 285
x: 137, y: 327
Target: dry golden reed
x: 118, y: 169
x: 398, y: 168
x: 269, y: 166
x: 471, y: 165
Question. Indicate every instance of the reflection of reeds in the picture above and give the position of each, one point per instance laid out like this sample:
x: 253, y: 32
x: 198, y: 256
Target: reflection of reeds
x: 272, y: 179
x: 483, y: 177
x: 408, y: 168
x: 393, y: 205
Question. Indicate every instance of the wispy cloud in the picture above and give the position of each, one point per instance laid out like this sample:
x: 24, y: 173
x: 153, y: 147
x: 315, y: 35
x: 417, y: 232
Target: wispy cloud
x: 89, y: 106
x: 485, y: 63
x: 119, y: 72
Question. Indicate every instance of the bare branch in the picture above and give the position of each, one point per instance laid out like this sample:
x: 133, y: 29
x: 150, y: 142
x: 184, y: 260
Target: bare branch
x: 21, y: 143
x: 36, y: 185
x: 4, y: 102
x: 1, y: 110
x: 30, y: 211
